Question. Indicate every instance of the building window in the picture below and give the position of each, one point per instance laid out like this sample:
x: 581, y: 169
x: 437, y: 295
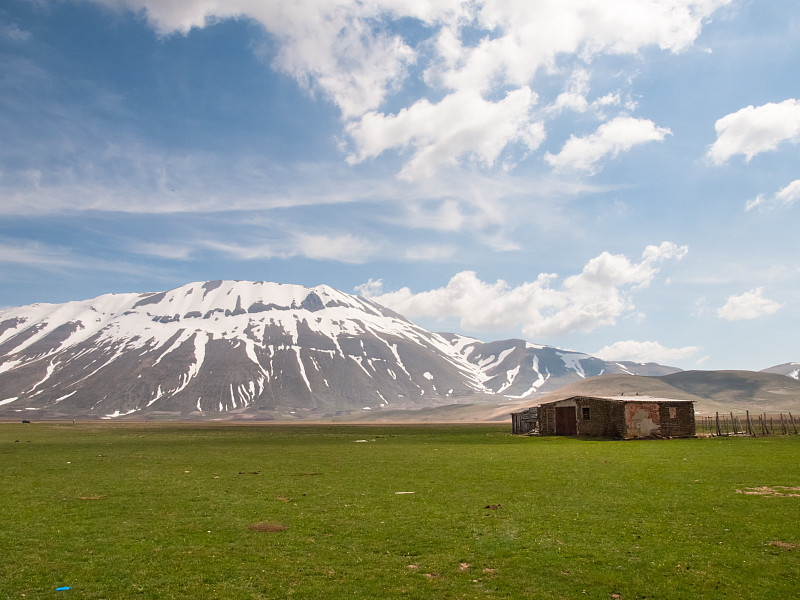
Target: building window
x: 586, y: 413
x: 673, y: 412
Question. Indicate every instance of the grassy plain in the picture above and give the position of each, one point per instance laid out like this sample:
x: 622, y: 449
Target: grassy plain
x: 163, y: 511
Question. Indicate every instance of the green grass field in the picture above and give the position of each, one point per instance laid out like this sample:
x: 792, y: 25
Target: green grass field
x: 165, y: 511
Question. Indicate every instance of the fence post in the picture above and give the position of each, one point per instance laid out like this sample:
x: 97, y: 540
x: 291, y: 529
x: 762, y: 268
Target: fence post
x: 784, y: 431
x: 793, y: 424
x: 749, y: 424
x: 718, y: 431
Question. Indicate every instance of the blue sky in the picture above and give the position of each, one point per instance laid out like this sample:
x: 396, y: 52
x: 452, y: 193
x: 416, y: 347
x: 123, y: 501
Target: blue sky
x: 619, y: 178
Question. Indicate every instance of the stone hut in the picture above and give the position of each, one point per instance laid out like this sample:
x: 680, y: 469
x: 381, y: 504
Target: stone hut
x: 622, y: 417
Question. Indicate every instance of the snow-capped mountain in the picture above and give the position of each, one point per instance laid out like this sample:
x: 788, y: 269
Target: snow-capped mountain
x: 519, y: 369
x: 257, y: 350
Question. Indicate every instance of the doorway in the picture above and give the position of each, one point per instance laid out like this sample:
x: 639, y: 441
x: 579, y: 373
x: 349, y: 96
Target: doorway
x: 566, y: 420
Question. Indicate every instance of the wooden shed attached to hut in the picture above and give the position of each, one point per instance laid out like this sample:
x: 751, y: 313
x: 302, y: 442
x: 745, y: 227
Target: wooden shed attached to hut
x: 524, y: 421
x: 623, y: 417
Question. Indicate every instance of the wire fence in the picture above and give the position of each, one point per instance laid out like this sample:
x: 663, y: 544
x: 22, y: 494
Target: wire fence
x: 746, y: 424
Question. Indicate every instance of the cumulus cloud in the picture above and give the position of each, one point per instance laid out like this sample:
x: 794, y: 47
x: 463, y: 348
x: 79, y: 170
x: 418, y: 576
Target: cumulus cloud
x: 550, y: 30
x: 477, y: 97
x: 782, y: 199
x: 753, y: 130
x: 597, y: 296
x: 644, y: 352
x: 618, y: 135
x: 462, y: 124
x: 750, y: 305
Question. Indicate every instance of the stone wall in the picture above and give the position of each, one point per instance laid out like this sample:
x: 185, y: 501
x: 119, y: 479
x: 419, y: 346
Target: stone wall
x: 547, y: 420
x: 677, y: 419
x: 604, y: 417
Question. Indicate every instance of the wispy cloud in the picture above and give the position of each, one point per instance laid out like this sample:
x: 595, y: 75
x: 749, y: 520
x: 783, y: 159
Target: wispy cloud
x: 13, y: 33
x: 784, y: 198
x: 57, y: 259
x: 36, y: 255
x: 346, y: 248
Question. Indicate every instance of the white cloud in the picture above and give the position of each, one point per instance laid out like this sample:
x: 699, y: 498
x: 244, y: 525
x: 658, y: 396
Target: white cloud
x: 644, y: 352
x: 574, y: 97
x: 753, y: 130
x: 549, y: 30
x: 611, y: 138
x: 462, y: 124
x: 370, y: 289
x: 597, y: 296
x: 783, y: 198
x: 749, y: 305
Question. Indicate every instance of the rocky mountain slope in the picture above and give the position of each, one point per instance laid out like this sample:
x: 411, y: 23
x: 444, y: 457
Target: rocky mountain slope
x: 236, y: 349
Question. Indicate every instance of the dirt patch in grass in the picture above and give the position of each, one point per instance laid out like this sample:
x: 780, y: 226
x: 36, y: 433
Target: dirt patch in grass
x: 775, y: 490
x: 784, y: 545
x: 266, y: 527
x: 90, y: 497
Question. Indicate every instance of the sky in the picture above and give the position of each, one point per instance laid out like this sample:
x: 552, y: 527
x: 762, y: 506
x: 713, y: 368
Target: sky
x: 616, y: 177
